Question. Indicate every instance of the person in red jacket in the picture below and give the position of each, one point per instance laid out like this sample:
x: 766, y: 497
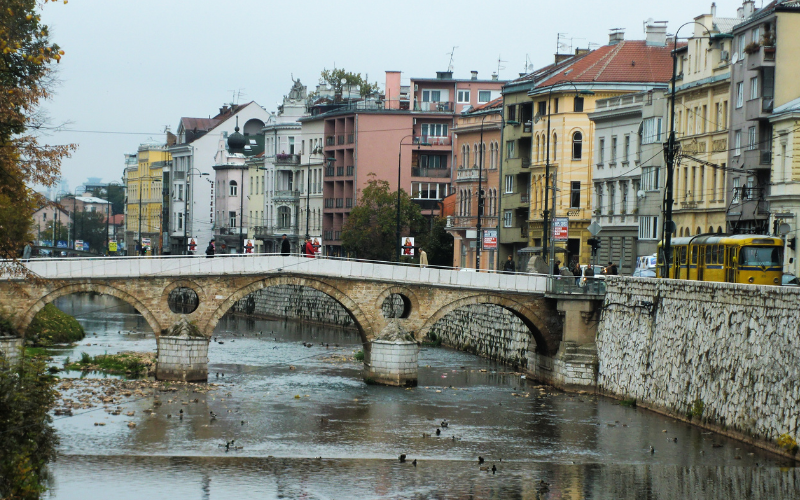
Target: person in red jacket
x: 308, y: 249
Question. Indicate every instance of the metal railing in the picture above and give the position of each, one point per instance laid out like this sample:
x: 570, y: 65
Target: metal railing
x: 430, y: 172
x: 576, y: 285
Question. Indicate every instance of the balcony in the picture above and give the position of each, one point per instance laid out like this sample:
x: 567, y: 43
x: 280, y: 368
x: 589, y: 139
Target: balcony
x: 760, y: 108
x: 435, y: 107
x: 525, y: 198
x: 329, y: 171
x: 287, y: 159
x: 764, y: 57
x: 339, y: 171
x: 518, y: 163
x: 427, y: 204
x: 754, y: 158
x: 351, y: 138
x: 351, y: 170
x: 286, y: 195
x: 433, y: 140
x: 443, y: 173
x: 469, y: 175
x: 330, y: 141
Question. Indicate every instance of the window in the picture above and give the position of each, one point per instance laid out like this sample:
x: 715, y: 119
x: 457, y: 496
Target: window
x: 754, y: 88
x: 740, y: 94
x: 648, y: 227
x: 751, y: 139
x: 434, y: 129
x: 284, y: 217
x: 737, y: 143
x: 291, y: 145
x: 431, y: 95
x: 740, y: 49
x: 429, y: 190
x: 627, y: 148
x: 613, y: 150
x: 484, y: 96
x: 575, y: 194
x: 231, y: 219
x: 463, y: 96
x: 736, y: 189
x: 427, y: 161
x: 509, y: 184
x: 180, y: 221
x: 756, y: 35
x: 651, y: 130
x: 511, y: 149
x: 650, y: 178
x: 234, y: 189
x: 601, y: 152
x: 511, y: 113
x: 555, y: 106
x: 555, y: 147
x: 508, y: 220
x: 542, y: 105
x: 578, y: 104
x: 577, y: 146
x: 623, y: 194
x: 598, y: 189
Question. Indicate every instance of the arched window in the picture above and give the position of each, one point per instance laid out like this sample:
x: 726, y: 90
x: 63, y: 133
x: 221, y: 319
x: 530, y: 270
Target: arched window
x: 719, y: 229
x: 555, y: 147
x: 284, y: 217
x: 711, y: 229
x: 475, y: 151
x: 234, y: 188
x: 577, y: 146
x: 536, y: 156
x: 698, y: 230
x: 469, y: 202
x: 466, y: 156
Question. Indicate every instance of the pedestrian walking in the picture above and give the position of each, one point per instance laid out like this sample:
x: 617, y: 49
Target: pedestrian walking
x: 210, y: 249
x: 423, y: 258
x: 286, y: 247
x: 308, y: 249
x: 26, y: 252
x: 509, y: 265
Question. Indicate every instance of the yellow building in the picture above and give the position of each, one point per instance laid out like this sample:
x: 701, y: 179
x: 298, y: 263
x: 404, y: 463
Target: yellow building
x: 144, y: 197
x: 567, y: 98
x: 701, y: 125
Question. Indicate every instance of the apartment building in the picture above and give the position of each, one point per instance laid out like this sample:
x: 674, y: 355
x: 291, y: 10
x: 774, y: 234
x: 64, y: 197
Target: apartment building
x: 144, y: 184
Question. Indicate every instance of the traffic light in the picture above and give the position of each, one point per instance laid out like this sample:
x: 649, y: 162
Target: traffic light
x: 481, y: 202
x: 792, y: 243
x: 595, y: 244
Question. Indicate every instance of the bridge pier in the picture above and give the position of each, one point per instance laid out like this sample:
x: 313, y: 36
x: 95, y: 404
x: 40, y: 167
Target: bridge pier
x: 391, y: 362
x: 182, y: 358
x: 10, y: 351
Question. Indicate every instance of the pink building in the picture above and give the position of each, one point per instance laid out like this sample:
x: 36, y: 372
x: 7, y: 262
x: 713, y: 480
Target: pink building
x: 366, y: 137
x: 231, y: 175
x: 46, y: 214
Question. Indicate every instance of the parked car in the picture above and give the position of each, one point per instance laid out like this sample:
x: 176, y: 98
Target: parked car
x: 644, y: 273
x: 789, y: 279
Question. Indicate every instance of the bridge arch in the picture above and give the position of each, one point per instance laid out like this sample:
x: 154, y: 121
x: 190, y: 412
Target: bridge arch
x: 27, y: 317
x: 408, y: 295
x: 361, y: 321
x: 535, y: 324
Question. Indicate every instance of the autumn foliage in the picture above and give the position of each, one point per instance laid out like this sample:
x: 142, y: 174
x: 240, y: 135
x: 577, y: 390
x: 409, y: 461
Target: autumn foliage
x: 27, y: 58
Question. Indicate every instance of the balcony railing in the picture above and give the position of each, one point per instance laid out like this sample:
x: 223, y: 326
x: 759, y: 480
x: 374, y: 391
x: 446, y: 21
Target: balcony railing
x: 525, y: 198
x: 339, y: 202
x: 286, y: 195
x: 330, y: 141
x: 758, y: 108
x: 339, y: 171
x: 469, y: 174
x: 329, y: 202
x: 435, y: 107
x: 351, y: 138
x: 287, y: 159
x: 431, y: 172
x: 329, y: 171
x: 765, y: 56
x: 351, y: 170
x: 340, y: 140
x: 433, y: 140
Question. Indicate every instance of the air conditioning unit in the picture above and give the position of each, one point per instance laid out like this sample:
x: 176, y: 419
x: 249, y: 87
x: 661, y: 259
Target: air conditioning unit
x: 724, y: 55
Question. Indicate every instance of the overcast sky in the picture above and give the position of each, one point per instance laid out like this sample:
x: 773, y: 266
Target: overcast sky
x: 133, y: 67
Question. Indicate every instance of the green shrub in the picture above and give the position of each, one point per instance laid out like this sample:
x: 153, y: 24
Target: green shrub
x: 51, y: 326
x: 630, y: 403
x: 359, y: 356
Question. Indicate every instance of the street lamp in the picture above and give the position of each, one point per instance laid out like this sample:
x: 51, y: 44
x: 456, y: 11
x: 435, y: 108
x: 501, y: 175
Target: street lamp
x: 546, y: 229
x: 478, y: 227
x: 186, y: 208
x: 667, y: 228
x: 399, y: 169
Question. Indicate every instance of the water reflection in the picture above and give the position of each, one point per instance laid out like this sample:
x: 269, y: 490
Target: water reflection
x: 286, y: 404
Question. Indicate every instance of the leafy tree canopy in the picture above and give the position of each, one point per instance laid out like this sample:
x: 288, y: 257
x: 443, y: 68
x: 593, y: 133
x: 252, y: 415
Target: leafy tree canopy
x: 438, y: 243
x: 339, y: 78
x: 370, y: 230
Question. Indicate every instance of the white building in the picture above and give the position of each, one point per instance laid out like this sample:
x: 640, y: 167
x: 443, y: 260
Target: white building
x: 192, y: 197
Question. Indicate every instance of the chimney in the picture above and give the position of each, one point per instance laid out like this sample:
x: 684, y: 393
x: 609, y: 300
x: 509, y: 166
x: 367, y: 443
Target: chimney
x: 223, y: 109
x: 474, y: 75
x: 495, y: 76
x: 656, y: 34
x: 392, y: 94
x: 713, y: 9
x: 749, y: 7
x: 740, y: 12
x: 617, y: 35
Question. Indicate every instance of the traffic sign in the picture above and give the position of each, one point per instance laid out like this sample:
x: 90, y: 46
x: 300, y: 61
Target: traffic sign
x: 560, y: 228
x: 594, y: 228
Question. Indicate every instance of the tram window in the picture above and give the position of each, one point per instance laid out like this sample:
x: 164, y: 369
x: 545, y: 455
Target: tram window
x: 694, y: 255
x: 761, y: 256
x: 683, y: 255
x: 721, y: 254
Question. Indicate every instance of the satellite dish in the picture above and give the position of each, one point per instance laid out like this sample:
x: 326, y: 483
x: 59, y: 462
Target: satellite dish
x: 640, y: 194
x: 537, y: 118
x: 784, y: 229
x: 735, y: 58
x: 650, y: 20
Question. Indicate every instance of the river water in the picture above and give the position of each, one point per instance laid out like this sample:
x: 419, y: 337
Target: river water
x: 306, y: 426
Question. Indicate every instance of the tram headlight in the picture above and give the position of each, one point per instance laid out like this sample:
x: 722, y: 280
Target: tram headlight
x: 775, y: 281
x: 750, y: 279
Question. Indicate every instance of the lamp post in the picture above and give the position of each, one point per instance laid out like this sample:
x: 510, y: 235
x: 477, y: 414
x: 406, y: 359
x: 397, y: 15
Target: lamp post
x: 186, y: 208
x: 399, y: 169
x: 478, y: 226
x: 546, y: 229
x: 667, y: 227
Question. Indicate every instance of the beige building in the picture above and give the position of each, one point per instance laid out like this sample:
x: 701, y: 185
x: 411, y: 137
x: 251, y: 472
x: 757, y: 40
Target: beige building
x: 144, y: 201
x: 784, y: 196
x: 702, y: 98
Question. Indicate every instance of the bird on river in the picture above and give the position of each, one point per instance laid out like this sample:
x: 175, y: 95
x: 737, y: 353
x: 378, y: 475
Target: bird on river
x: 438, y: 432
x: 444, y: 423
x: 480, y: 460
x: 652, y: 450
x: 414, y: 463
x: 213, y: 415
x: 402, y: 458
x: 494, y: 469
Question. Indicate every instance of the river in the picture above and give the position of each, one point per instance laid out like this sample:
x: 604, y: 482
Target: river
x: 306, y: 426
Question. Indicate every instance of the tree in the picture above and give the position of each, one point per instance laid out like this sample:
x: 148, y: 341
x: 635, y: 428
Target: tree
x: 335, y: 77
x: 26, y: 72
x: 370, y: 230
x: 62, y: 231
x: 438, y: 243
x: 27, y: 437
x: 91, y: 228
x: 114, y: 193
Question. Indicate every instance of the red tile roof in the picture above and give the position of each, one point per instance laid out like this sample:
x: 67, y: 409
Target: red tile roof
x: 494, y: 103
x: 628, y: 61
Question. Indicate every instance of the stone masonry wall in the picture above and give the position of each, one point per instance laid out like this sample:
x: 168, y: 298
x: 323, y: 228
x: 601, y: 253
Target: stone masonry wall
x: 10, y: 351
x: 182, y: 358
x: 392, y: 362
x: 726, y: 354
x: 489, y: 331
x: 294, y: 302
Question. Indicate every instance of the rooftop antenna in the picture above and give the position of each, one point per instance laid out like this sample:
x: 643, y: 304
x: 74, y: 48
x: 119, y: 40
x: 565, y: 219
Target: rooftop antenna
x: 528, y: 64
x: 499, y: 67
x: 452, y: 52
x: 559, y: 36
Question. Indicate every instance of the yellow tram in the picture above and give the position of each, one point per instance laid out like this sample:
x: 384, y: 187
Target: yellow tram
x: 741, y: 258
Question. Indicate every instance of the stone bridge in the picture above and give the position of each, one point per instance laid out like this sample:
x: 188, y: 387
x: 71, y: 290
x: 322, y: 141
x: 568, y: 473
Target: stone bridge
x: 215, y: 285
